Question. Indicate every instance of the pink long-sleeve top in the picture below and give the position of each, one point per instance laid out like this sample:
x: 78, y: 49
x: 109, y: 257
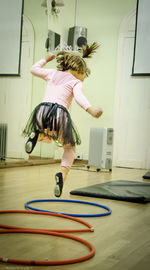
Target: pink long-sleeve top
x: 61, y: 86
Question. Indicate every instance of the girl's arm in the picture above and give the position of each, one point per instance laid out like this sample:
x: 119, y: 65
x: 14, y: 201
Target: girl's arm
x: 38, y: 70
x: 84, y: 103
x: 79, y: 96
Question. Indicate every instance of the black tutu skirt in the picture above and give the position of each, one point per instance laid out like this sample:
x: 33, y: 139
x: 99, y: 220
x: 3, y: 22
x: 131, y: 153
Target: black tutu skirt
x: 55, y: 120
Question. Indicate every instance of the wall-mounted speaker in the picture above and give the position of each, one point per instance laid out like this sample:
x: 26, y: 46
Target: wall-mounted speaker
x: 77, y: 37
x: 53, y: 41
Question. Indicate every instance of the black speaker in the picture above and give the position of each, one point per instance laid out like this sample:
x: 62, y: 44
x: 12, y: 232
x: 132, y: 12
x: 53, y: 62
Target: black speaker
x: 53, y: 41
x: 77, y: 37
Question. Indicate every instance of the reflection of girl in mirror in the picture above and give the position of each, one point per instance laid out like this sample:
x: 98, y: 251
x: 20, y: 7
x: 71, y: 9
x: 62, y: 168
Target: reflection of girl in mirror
x: 50, y: 120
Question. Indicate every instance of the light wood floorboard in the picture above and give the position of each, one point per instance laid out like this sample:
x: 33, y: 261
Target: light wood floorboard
x: 121, y: 240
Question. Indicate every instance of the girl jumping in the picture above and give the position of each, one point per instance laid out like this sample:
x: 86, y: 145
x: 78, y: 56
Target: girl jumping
x: 50, y: 120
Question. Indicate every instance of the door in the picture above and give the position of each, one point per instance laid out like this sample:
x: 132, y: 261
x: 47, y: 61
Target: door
x: 132, y: 117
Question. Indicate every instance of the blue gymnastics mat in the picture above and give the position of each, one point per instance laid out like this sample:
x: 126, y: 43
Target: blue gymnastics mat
x: 132, y: 191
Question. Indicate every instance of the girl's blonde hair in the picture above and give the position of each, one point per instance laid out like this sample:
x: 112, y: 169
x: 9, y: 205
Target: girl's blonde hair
x: 67, y: 60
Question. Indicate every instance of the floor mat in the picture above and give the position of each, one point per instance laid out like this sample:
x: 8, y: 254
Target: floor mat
x: 132, y: 191
x: 147, y: 175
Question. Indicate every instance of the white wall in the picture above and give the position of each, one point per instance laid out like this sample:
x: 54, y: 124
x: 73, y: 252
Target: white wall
x: 102, y: 19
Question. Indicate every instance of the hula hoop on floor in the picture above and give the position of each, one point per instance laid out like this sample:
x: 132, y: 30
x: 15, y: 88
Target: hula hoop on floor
x: 88, y: 229
x: 72, y: 201
x: 46, y: 263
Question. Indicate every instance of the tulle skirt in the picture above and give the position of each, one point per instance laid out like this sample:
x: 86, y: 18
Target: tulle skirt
x: 53, y: 121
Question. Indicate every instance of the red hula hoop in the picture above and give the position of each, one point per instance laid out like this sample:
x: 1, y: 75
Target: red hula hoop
x: 89, y: 229
x: 46, y: 263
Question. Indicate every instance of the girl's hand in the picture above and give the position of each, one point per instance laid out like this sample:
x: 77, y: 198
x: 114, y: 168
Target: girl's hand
x: 50, y: 57
x: 98, y: 112
x: 95, y: 112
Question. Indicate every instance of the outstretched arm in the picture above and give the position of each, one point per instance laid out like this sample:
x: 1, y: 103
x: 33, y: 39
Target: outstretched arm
x: 38, y: 70
x: 84, y: 103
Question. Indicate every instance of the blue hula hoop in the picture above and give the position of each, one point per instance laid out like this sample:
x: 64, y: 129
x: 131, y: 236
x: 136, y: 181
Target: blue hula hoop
x: 109, y: 211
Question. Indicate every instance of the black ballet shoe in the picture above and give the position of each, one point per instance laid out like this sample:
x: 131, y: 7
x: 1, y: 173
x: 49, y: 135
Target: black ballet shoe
x: 59, y: 184
x: 31, y: 142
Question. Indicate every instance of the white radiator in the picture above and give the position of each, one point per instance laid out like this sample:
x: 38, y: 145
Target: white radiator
x: 101, y: 148
x: 3, y: 141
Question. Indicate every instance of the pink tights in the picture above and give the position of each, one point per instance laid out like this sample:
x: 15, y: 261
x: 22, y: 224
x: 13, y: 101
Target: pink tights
x: 68, y: 156
x: 69, y: 151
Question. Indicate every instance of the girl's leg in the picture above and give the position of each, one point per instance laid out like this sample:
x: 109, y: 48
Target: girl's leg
x: 67, y: 160
x: 31, y: 142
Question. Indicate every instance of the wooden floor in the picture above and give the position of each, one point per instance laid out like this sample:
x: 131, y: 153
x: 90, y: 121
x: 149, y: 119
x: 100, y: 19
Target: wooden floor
x: 121, y: 240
